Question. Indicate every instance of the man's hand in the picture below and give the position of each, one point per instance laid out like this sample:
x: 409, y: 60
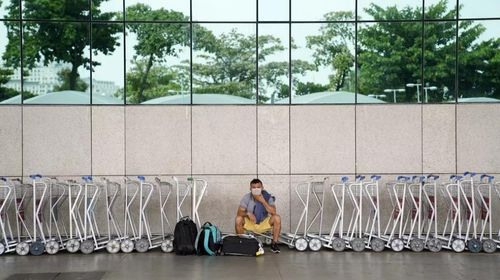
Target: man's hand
x: 259, y: 198
x: 252, y: 217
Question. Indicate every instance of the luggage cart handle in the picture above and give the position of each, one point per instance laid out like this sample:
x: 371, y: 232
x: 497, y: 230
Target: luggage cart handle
x: 360, y: 177
x: 490, y: 178
x: 375, y: 177
x: 87, y: 178
x: 3, y: 179
x: 35, y: 176
x: 456, y: 177
x: 402, y: 178
x: 141, y: 178
x: 344, y: 179
x: 472, y: 174
x: 433, y: 177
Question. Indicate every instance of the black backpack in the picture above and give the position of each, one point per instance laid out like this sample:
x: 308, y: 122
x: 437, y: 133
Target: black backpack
x: 185, y: 233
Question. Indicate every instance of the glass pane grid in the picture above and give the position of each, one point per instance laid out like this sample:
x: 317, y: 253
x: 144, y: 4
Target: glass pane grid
x: 216, y: 52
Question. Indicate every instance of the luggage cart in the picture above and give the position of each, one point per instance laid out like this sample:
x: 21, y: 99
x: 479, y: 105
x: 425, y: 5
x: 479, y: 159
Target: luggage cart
x: 22, y: 196
x: 130, y: 229
x: 373, y: 230
x: 336, y: 239
x: 75, y: 198
x: 164, y: 193
x: 413, y: 239
x: 468, y: 189
x: 452, y: 231
x: 430, y: 222
x: 56, y: 230
x: 194, y: 187
x: 485, y: 192
x: 7, y: 238
x: 355, y: 229
x: 40, y: 194
x: 393, y: 233
x: 112, y: 191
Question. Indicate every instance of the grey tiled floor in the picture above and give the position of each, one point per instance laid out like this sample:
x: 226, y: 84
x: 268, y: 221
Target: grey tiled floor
x: 287, y: 265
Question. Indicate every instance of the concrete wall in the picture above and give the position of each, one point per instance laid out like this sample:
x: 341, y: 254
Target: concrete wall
x: 229, y: 145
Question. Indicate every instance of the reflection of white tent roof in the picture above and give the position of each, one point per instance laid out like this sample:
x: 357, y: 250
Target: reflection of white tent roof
x: 329, y: 97
x: 477, y: 99
x: 71, y: 97
x: 204, y: 98
x: 13, y: 100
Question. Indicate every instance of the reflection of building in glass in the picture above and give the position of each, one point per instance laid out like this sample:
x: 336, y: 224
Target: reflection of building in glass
x: 43, y: 79
x: 40, y: 80
x: 103, y: 88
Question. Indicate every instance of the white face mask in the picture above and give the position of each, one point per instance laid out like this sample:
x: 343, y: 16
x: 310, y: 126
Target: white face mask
x: 256, y: 191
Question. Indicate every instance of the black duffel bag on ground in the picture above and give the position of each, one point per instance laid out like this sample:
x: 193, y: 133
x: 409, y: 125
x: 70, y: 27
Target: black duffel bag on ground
x: 241, y: 245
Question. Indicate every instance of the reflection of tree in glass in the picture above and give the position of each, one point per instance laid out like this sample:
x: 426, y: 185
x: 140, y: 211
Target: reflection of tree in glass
x: 390, y: 53
x: 228, y: 65
x: 60, y: 42
x: 331, y: 47
x: 155, y: 42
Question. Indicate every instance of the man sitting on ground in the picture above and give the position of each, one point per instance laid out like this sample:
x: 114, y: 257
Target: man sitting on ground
x: 257, y: 213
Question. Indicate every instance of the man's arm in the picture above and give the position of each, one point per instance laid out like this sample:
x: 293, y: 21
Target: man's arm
x: 242, y: 212
x: 271, y: 209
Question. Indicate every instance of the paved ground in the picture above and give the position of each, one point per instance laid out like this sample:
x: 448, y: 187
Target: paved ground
x: 287, y: 265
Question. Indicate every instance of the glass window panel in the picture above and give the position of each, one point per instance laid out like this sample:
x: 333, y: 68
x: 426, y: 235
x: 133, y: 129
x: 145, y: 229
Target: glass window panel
x: 224, y: 64
x: 157, y: 63
x: 440, y: 9
x: 323, y: 63
x: 479, y: 9
x: 224, y: 10
x: 439, y: 62
x: 315, y: 10
x: 142, y: 10
x: 479, y: 61
x: 107, y: 64
x: 9, y: 9
x: 274, y: 10
x: 390, y: 58
x: 10, y: 60
x: 56, y: 9
x: 389, y: 9
x: 56, y: 60
x: 273, y: 63
x: 107, y: 10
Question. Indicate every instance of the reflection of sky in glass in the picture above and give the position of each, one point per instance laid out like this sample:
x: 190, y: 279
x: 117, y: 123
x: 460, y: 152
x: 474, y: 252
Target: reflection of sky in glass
x: 273, y: 10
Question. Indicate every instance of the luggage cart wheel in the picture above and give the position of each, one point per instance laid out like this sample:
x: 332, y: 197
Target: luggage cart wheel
x: 52, y: 247
x: 458, y: 245
x: 72, y: 245
x: 301, y: 244
x: 142, y: 245
x: 22, y: 249
x: 2, y: 249
x: 474, y: 245
x: 37, y: 248
x: 291, y: 246
x: 167, y: 246
x: 358, y: 245
x: 338, y: 244
x: 377, y: 244
x: 113, y: 246
x: 315, y: 245
x: 87, y: 246
x: 127, y: 246
x: 434, y: 245
x: 417, y: 245
x: 489, y: 246
x: 397, y: 245
x: 268, y: 241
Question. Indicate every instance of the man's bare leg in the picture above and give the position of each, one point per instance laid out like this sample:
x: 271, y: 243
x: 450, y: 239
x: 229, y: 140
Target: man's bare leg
x: 275, y: 222
x: 238, y: 225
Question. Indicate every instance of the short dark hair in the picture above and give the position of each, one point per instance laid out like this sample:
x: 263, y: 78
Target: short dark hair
x: 255, y: 181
